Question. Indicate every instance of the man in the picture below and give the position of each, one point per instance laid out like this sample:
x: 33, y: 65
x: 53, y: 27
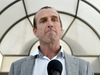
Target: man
x: 48, y: 28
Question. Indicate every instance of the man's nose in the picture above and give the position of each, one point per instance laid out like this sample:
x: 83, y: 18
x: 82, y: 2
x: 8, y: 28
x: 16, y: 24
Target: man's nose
x: 50, y: 24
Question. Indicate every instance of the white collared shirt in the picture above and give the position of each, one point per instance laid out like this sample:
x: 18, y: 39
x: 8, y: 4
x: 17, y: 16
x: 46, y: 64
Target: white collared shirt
x: 41, y: 62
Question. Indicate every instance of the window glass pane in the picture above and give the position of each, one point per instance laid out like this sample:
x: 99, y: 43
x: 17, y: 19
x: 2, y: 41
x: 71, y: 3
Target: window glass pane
x: 82, y: 39
x: 10, y: 16
x: 16, y: 39
x: 90, y: 15
x: 65, y: 5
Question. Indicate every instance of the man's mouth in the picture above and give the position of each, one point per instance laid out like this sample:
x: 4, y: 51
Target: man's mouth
x: 50, y: 30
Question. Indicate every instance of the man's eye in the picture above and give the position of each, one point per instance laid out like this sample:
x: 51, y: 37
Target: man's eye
x: 43, y: 21
x: 53, y: 19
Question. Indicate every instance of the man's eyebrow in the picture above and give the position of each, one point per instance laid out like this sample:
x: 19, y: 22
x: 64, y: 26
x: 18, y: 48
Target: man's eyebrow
x: 46, y: 17
x: 54, y: 16
x: 42, y: 18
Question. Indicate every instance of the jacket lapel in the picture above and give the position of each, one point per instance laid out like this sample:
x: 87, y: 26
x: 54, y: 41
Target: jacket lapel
x: 27, y: 66
x: 71, y: 64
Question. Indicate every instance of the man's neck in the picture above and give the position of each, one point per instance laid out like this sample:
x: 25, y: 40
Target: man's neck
x: 50, y: 50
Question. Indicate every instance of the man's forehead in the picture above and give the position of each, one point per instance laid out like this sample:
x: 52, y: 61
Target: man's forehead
x: 44, y: 12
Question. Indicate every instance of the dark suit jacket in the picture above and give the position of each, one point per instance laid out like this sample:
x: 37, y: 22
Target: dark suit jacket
x: 74, y: 66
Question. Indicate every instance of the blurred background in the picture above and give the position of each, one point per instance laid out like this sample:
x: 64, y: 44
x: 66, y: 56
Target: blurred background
x: 81, y: 29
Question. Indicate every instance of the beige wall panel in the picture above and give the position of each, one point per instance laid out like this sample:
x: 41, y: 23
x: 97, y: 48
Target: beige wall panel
x: 1, y: 58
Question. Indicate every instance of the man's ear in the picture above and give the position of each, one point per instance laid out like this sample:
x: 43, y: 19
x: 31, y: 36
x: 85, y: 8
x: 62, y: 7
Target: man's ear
x: 35, y: 32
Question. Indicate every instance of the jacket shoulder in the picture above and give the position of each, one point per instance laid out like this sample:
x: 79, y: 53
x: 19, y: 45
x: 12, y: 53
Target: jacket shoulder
x: 83, y: 66
x: 15, y: 68
x: 21, y: 60
x: 71, y: 57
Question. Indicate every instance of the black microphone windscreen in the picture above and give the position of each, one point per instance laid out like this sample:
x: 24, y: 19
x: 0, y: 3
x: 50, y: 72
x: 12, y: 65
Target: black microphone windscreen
x: 54, y: 65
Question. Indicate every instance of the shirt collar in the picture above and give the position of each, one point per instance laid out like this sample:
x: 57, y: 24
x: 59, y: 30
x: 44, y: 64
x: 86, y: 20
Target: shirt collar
x: 61, y: 52
x: 37, y: 52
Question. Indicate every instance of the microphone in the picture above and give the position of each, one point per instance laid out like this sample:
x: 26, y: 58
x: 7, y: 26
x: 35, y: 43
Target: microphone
x: 54, y: 67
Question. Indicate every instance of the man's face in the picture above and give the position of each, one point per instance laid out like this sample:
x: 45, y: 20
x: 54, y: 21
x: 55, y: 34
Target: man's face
x: 48, y: 26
